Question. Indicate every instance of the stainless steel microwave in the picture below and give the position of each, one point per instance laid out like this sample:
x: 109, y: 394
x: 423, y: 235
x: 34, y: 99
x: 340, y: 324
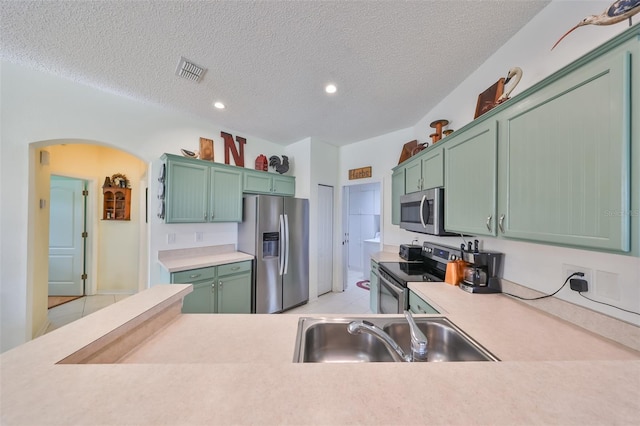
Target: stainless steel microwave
x: 423, y: 212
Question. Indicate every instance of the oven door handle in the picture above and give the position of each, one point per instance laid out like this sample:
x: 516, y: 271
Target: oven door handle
x: 389, y: 285
x: 424, y: 198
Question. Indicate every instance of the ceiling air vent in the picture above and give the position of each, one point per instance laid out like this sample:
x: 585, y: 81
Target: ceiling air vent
x: 189, y: 70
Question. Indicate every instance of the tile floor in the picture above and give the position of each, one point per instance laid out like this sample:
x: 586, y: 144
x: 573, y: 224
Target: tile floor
x: 354, y: 300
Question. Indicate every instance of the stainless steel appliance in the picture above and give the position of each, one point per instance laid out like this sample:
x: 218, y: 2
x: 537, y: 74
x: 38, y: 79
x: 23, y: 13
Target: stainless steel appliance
x: 483, y: 271
x: 276, y: 231
x: 393, y: 293
x: 423, y: 212
x: 410, y: 252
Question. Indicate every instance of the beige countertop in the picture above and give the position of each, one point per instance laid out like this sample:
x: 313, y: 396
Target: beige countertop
x: 202, y: 257
x: 237, y: 369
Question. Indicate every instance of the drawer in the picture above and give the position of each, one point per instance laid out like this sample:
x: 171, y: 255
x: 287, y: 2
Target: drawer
x: 419, y: 306
x: 193, y: 275
x: 234, y: 268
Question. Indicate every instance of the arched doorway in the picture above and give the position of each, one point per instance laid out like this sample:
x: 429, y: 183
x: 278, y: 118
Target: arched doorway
x: 115, y: 250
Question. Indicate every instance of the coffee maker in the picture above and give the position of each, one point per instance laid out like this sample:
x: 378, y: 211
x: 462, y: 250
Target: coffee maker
x: 483, y: 271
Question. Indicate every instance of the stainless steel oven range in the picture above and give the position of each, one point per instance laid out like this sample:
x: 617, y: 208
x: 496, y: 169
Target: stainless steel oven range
x: 393, y: 292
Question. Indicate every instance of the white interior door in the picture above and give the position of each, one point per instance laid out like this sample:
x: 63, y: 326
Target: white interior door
x: 325, y: 239
x: 66, y: 242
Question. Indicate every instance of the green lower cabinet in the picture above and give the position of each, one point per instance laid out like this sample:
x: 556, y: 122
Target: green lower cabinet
x: 417, y: 305
x: 224, y: 289
x: 234, y: 294
x: 373, y: 287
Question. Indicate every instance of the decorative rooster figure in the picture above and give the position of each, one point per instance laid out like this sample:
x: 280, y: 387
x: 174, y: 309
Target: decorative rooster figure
x: 617, y: 12
x: 274, y: 161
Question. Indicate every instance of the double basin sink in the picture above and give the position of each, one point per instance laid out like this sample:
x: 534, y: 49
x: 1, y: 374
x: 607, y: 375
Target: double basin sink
x: 327, y: 340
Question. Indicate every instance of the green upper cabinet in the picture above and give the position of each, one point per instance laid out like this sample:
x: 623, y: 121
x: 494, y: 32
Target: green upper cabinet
x: 397, y: 190
x: 564, y: 173
x: 413, y: 176
x: 260, y: 182
x: 225, y: 202
x: 470, y: 179
x: 201, y: 191
x: 187, y: 187
x: 425, y: 170
x: 433, y: 168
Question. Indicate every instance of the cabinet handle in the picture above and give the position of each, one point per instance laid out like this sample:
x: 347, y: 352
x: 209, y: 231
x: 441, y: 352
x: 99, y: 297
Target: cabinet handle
x: 204, y: 216
x: 489, y: 222
x: 213, y: 285
x: 500, y: 223
x: 420, y: 309
x: 220, y: 284
x: 194, y: 275
x: 235, y: 268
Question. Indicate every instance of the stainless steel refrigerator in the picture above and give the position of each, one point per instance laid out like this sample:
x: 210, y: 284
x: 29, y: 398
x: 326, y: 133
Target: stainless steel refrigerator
x: 276, y: 231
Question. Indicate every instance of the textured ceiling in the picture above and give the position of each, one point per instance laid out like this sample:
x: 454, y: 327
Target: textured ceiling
x: 269, y: 61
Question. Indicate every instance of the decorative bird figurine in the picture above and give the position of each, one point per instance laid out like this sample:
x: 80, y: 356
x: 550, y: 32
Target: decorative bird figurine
x: 617, y: 12
x: 281, y: 167
x: 514, y: 73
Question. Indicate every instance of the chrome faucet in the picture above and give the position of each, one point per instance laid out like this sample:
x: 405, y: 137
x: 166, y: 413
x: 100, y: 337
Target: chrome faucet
x: 418, y: 339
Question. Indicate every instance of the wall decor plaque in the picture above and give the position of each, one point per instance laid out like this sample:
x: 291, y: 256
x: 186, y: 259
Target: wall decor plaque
x: 360, y: 173
x: 206, y: 149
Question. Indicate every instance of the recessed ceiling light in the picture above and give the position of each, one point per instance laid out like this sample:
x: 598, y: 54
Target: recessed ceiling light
x: 330, y: 88
x: 219, y: 105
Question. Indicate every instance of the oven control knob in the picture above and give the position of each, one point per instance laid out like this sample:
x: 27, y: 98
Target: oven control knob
x: 429, y: 249
x: 452, y: 257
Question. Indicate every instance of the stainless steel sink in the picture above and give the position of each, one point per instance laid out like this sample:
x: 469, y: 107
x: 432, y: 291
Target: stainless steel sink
x: 327, y: 340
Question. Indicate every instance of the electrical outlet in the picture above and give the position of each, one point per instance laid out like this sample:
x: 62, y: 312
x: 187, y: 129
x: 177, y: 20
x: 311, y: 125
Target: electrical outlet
x: 199, y: 237
x: 171, y: 238
x: 570, y: 269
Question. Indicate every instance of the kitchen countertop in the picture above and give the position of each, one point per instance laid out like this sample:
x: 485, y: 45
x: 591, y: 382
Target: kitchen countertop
x: 237, y: 369
x: 202, y: 257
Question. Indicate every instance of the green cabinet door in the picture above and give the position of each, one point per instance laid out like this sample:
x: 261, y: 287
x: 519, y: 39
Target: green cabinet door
x: 397, y: 190
x: 433, y: 168
x: 201, y: 300
x: 234, y: 294
x: 225, y: 198
x: 256, y: 182
x: 284, y: 185
x: 417, y: 305
x: 470, y: 179
x: 373, y: 287
x: 413, y: 176
x: 565, y: 159
x: 186, y: 195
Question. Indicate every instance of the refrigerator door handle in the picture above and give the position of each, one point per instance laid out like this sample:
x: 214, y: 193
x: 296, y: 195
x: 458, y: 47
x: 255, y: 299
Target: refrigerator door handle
x: 282, y: 242
x: 286, y: 238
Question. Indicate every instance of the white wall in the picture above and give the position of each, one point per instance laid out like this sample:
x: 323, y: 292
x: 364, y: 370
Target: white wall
x: 40, y: 109
x: 616, y: 278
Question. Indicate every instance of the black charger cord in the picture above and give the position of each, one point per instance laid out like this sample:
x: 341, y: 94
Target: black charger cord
x: 578, y: 274
x: 602, y: 303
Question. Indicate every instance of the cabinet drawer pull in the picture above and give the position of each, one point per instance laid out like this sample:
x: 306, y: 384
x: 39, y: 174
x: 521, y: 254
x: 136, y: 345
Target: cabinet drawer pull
x: 500, y: 223
x: 422, y: 311
x: 489, y: 222
x: 194, y: 275
x: 235, y: 268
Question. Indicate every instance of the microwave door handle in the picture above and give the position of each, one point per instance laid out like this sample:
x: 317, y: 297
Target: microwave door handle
x: 424, y: 198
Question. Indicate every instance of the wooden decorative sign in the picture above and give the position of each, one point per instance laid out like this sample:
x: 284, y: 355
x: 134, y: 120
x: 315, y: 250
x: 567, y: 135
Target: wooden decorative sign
x: 230, y: 147
x: 206, y: 149
x: 360, y: 173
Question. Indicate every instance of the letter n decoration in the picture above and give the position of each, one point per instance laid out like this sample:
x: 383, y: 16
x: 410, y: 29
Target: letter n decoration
x: 230, y: 146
